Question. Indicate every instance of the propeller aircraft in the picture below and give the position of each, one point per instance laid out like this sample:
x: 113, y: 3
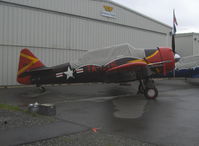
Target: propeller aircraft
x: 115, y: 64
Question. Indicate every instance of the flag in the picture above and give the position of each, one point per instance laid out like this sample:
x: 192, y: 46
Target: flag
x: 174, y: 22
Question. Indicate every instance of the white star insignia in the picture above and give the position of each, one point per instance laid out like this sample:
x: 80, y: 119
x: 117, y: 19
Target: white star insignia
x: 69, y: 73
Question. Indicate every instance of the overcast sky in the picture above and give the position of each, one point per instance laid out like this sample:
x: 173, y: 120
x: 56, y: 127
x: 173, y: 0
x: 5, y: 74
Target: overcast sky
x: 186, y: 11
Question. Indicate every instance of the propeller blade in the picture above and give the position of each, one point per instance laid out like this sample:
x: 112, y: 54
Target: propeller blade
x: 173, y: 44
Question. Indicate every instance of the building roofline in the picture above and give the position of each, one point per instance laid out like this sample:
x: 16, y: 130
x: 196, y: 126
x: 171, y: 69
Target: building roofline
x: 186, y: 34
x: 138, y: 13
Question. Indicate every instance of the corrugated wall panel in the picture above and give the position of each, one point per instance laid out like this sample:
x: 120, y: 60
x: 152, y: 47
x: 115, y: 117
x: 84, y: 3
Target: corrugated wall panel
x: 8, y: 65
x: 1, y: 65
x: 92, y: 9
x: 108, y: 34
x: 2, y: 24
x: 5, y: 66
x: 79, y: 35
x: 184, y: 45
x: 196, y: 44
x: 33, y: 28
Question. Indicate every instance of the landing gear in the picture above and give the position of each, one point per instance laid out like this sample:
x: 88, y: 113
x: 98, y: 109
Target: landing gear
x: 147, y: 87
x: 151, y: 93
x: 141, y: 89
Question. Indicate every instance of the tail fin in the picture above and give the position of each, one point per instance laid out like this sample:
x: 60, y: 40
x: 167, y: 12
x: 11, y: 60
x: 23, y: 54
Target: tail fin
x: 27, y: 62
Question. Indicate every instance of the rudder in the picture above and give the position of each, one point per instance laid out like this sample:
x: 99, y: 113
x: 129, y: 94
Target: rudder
x: 27, y: 62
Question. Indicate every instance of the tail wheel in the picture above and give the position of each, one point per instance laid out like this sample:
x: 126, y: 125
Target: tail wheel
x: 43, y: 89
x: 151, y: 93
x: 141, y: 89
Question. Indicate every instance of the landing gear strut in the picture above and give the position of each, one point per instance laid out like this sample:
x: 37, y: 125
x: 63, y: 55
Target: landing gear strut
x: 147, y: 87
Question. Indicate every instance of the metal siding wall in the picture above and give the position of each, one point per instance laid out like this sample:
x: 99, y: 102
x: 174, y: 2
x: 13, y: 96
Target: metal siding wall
x: 184, y: 45
x: 1, y: 65
x: 196, y: 44
x: 79, y: 33
x: 91, y: 34
x: 103, y: 34
x: 34, y: 28
x: 8, y: 65
x: 146, y: 39
x: 92, y: 9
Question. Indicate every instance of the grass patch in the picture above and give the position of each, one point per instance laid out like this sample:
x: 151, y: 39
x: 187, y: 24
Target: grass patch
x: 16, y: 108
x: 10, y: 107
x: 66, y: 139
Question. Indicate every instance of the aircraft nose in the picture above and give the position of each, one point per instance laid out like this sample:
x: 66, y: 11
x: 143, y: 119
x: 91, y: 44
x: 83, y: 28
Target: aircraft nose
x: 177, y: 57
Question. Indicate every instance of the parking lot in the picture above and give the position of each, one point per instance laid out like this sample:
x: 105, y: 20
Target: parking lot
x: 171, y: 119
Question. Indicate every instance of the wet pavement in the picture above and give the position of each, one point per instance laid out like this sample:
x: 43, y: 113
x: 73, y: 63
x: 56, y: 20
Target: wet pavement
x: 171, y: 119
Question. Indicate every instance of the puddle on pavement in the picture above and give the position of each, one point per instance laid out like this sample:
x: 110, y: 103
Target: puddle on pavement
x: 129, y: 107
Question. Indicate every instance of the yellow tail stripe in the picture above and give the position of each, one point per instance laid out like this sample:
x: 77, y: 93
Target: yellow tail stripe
x: 29, y: 57
x: 25, y: 67
x: 34, y: 60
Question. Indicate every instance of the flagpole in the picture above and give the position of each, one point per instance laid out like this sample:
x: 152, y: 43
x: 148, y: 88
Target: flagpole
x: 173, y: 37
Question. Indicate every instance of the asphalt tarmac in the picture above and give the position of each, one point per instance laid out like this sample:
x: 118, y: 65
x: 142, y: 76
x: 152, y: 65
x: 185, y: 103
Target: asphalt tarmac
x: 172, y: 119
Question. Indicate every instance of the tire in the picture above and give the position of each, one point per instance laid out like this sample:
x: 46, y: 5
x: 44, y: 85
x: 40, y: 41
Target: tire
x: 151, y: 93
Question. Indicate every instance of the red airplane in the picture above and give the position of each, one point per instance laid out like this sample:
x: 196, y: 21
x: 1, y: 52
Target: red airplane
x: 115, y: 64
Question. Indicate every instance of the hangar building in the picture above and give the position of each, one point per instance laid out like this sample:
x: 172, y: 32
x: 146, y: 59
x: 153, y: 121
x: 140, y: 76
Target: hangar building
x: 187, y: 44
x: 59, y: 31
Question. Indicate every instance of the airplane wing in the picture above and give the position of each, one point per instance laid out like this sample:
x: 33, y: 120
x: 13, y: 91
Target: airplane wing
x: 140, y: 67
x: 128, y: 67
x: 128, y: 71
x: 158, y: 64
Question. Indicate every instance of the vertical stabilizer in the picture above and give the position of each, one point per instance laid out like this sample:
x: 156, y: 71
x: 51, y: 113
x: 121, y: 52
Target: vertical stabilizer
x: 27, y: 62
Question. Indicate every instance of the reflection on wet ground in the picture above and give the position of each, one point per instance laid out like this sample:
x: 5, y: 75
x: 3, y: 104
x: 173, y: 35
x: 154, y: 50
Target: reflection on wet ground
x: 128, y: 107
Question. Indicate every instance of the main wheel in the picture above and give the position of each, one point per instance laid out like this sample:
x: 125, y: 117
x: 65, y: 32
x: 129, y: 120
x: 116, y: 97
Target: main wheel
x: 151, y: 93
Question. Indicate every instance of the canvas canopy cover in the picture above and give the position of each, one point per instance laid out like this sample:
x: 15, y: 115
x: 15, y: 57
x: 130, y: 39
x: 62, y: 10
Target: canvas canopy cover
x: 105, y: 55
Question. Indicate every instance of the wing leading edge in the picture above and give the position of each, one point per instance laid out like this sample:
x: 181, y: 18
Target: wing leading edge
x: 128, y: 67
